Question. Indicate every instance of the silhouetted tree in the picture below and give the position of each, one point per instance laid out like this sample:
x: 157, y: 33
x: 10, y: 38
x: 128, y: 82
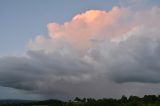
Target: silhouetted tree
x: 77, y: 99
x: 123, y: 98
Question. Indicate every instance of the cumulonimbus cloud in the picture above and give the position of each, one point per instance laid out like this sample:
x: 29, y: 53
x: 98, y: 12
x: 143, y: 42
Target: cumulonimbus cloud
x: 96, y: 48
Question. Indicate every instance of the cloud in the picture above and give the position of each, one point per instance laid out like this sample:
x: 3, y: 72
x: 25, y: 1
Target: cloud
x: 45, y: 73
x: 136, y: 59
x: 88, y: 26
x: 90, y: 55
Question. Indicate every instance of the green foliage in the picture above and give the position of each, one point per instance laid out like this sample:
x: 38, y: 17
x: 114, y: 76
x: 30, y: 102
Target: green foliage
x: 147, y: 100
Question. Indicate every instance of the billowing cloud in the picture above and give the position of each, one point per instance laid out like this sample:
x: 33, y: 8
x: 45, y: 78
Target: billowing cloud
x: 135, y: 59
x: 87, y: 27
x: 90, y: 55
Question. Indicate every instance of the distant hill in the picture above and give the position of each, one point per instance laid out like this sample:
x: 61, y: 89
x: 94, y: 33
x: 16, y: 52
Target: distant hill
x: 15, y: 101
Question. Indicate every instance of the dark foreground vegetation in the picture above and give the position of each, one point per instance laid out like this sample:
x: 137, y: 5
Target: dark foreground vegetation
x: 147, y: 100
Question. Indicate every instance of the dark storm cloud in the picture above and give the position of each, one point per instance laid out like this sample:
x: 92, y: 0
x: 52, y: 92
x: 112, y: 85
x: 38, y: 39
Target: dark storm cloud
x: 41, y: 72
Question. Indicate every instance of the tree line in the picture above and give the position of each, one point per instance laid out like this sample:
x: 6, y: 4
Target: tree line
x: 147, y: 100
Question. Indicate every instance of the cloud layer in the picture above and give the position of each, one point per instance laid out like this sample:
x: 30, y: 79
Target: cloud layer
x: 90, y: 55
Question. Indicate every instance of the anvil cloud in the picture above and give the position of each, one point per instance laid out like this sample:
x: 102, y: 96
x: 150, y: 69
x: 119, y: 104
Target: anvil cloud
x: 89, y: 55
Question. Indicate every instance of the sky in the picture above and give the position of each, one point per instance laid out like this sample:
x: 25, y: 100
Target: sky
x: 67, y: 48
